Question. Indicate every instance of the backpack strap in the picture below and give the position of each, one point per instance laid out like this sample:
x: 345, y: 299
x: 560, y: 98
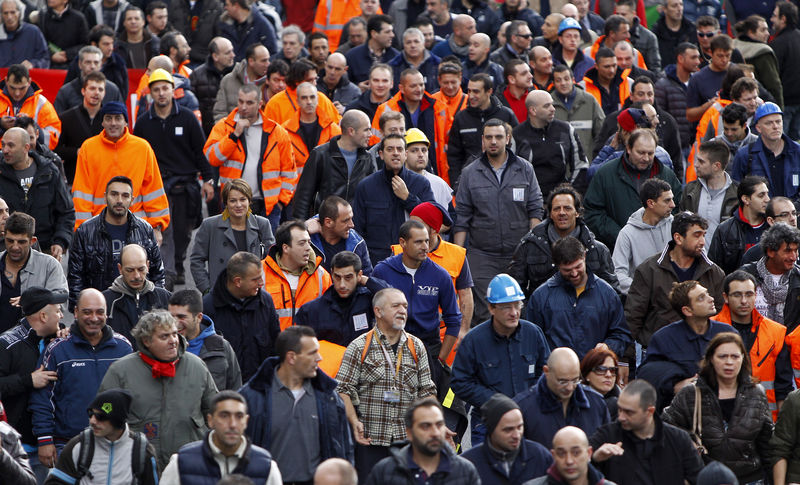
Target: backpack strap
x: 138, y: 457
x: 86, y: 453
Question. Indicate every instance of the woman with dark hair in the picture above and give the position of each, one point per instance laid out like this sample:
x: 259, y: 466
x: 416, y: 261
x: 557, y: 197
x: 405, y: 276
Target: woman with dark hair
x: 600, y: 372
x: 751, y: 41
x: 735, y: 417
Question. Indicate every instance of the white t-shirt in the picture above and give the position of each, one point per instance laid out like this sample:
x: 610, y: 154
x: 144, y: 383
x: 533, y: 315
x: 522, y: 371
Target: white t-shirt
x: 252, y: 136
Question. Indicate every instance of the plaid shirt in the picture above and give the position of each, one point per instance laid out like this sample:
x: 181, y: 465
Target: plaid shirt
x: 366, y: 382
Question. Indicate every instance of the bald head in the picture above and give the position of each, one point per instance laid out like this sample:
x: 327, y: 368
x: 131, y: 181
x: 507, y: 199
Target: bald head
x: 18, y: 134
x: 160, y: 62
x: 569, y: 436
x: 481, y: 39
x: 569, y: 10
x: 563, y: 373
x: 338, y: 58
x: 335, y: 471
x: 537, y: 98
x: 463, y: 28
x: 133, y: 266
x: 563, y: 357
x: 539, y: 51
x: 90, y: 297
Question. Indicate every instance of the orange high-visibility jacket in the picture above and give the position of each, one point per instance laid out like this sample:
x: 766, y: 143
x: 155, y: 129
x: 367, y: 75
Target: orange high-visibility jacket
x: 454, y: 105
x: 309, y: 287
x: 329, y: 129
x: 38, y: 108
x: 591, y: 51
x: 768, y: 344
x: 331, y: 17
x: 712, y: 119
x: 624, y: 89
x: 100, y: 159
x: 437, y: 138
x: 283, y: 105
x: 277, y: 161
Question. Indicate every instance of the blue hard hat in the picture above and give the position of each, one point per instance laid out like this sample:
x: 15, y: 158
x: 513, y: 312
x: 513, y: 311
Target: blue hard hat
x: 766, y: 109
x: 568, y: 23
x: 504, y: 289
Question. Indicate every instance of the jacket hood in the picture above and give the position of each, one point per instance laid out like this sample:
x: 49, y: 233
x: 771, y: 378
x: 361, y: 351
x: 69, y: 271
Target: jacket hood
x: 120, y: 286
x: 206, y: 330
x: 636, y: 221
x: 750, y: 48
x: 262, y: 379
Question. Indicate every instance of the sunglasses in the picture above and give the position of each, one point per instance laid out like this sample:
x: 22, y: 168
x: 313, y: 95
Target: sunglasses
x: 98, y: 415
x: 525, y: 36
x: 602, y: 370
x: 706, y: 34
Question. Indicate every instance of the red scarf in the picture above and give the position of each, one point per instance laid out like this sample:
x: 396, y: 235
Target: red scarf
x: 160, y: 369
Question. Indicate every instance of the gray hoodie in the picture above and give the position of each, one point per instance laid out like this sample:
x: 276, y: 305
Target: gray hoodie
x: 636, y: 242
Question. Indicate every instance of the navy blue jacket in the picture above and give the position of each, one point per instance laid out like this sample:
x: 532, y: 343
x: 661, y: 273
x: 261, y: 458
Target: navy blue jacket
x: 197, y: 465
x: 580, y: 323
x: 488, y: 67
x: 378, y: 213
x: 255, y: 30
x: 544, y: 415
x: 678, y: 343
x: 354, y: 243
x: 58, y: 408
x: 359, y: 61
x: 250, y: 326
x: 486, y: 19
x: 751, y: 160
x: 430, y: 289
x: 334, y: 430
x: 429, y: 69
x: 487, y: 363
x: 334, y: 319
x: 532, y: 461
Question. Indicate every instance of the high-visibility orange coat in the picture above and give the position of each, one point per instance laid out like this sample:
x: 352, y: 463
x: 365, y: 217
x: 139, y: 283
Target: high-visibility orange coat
x: 38, y: 108
x: 277, y: 161
x: 453, y: 105
x: 331, y: 17
x: 591, y: 51
x: 310, y: 286
x: 100, y: 159
x: 451, y: 257
x: 437, y: 138
x: 711, y: 120
x: 283, y: 105
x: 769, y: 342
x: 329, y: 129
x: 624, y: 89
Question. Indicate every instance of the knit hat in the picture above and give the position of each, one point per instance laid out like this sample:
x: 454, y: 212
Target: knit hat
x: 715, y: 473
x: 494, y: 409
x: 432, y: 214
x: 36, y: 297
x: 632, y: 118
x: 114, y: 108
x: 114, y: 403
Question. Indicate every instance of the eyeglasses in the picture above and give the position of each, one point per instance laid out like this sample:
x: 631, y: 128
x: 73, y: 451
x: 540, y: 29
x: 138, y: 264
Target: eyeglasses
x: 602, y: 370
x: 568, y: 382
x: 782, y: 215
x: 98, y: 415
x: 524, y: 36
x: 707, y: 35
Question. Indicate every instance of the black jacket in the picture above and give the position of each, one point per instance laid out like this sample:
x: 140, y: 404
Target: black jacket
x: 152, y: 46
x: 555, y: 153
x: 742, y: 444
x: 47, y: 200
x: 76, y: 127
x: 728, y: 244
x: 69, y: 32
x: 668, y: 40
x: 532, y: 461
x: 69, y: 96
x: 205, y: 81
x: 394, y: 470
x: 250, y: 325
x: 114, y: 69
x: 532, y: 263
x: 92, y: 263
x: 785, y: 47
x: 325, y: 173
x: 791, y: 312
x: 124, y: 306
x: 668, y: 458
x: 465, y: 134
x: 196, y: 23
x: 365, y: 104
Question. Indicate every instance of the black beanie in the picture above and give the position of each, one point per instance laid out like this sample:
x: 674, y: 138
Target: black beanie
x: 716, y: 473
x: 115, y: 403
x: 494, y: 409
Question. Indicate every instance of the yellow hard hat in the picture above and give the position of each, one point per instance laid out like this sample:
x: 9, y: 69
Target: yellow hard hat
x: 415, y: 135
x: 160, y: 75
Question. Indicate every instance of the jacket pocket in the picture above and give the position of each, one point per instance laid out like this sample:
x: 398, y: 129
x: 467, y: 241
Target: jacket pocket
x: 490, y: 372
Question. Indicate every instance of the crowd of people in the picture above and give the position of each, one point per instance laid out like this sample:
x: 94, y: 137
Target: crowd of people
x: 400, y: 242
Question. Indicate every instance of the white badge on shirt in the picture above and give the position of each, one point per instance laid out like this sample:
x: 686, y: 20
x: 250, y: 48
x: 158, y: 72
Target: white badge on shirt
x: 795, y: 180
x: 519, y: 194
x: 360, y: 322
x: 178, y: 130
x: 532, y: 369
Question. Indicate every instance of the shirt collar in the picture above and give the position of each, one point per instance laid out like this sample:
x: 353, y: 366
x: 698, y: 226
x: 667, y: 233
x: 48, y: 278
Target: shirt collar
x: 239, y: 453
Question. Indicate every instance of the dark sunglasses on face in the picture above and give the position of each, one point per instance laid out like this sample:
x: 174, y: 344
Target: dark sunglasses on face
x: 526, y: 36
x: 706, y: 34
x: 601, y: 370
x: 98, y: 415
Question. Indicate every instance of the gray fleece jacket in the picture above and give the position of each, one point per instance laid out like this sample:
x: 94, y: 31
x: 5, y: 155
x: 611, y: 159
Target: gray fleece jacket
x: 636, y: 242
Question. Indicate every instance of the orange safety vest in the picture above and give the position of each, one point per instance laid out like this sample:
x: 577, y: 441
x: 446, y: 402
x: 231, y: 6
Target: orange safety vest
x: 454, y: 105
x: 332, y: 355
x: 624, y: 89
x: 100, y: 159
x: 438, y: 140
x: 451, y: 257
x: 793, y: 341
x: 299, y: 149
x: 39, y: 109
x: 712, y: 119
x: 278, y: 172
x: 331, y: 17
x: 770, y: 336
x: 283, y: 105
x: 309, y: 287
x: 591, y: 51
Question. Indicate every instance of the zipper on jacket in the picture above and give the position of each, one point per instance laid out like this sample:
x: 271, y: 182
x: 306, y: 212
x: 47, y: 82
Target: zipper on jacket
x: 110, y: 464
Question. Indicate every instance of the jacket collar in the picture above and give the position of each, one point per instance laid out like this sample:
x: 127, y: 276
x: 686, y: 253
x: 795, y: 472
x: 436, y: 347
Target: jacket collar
x: 262, y: 380
x: 549, y: 403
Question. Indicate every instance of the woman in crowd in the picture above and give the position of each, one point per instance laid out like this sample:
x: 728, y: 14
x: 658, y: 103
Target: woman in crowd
x: 735, y: 417
x: 599, y: 371
x: 221, y: 236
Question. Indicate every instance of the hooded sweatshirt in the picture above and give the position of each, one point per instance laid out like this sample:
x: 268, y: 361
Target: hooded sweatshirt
x: 636, y: 242
x: 125, y: 305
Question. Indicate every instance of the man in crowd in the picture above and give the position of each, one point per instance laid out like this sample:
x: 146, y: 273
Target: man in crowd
x: 333, y: 233
x: 519, y: 81
x: 225, y: 442
x: 646, y: 232
x: 293, y: 41
x: 417, y: 160
x: 378, y: 47
x: 607, y: 82
x: 356, y: 34
x: 70, y: 94
x: 457, y: 42
x: 703, y: 85
x: 785, y: 36
x: 380, y: 86
x: 576, y: 107
x: 518, y: 41
x: 736, y: 131
x: 303, y: 431
x: 94, y: 347
x: 186, y: 306
x: 670, y: 90
x: 19, y: 95
x: 22, y: 43
x: 415, y: 55
x: 567, y: 52
x: 81, y: 122
x: 243, y: 312
x: 207, y: 78
x: 478, y: 61
x: 572, y: 458
x: 558, y: 399
x: 250, y: 70
x: 244, y: 24
x: 162, y: 371
x: 96, y: 246
x: 779, y: 209
x: 336, y: 84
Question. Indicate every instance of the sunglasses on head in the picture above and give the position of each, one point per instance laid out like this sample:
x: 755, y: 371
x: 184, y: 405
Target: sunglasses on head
x: 98, y: 415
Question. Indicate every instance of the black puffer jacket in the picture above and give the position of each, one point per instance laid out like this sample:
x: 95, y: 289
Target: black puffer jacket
x: 196, y: 23
x: 532, y: 263
x: 394, y: 470
x: 325, y: 173
x: 205, y: 84
x: 47, y: 200
x: 730, y: 242
x: 741, y: 444
x: 91, y: 264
